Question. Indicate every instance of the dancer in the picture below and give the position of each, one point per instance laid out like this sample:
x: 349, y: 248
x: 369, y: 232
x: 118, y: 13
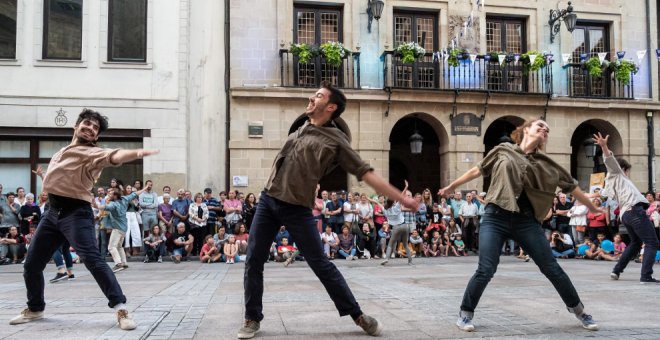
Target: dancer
x: 523, y: 182
x: 633, y: 207
x: 312, y: 151
x: 71, y: 175
x: 400, y: 230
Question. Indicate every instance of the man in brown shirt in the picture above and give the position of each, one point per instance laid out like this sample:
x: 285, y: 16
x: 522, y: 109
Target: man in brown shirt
x: 312, y: 151
x: 71, y: 175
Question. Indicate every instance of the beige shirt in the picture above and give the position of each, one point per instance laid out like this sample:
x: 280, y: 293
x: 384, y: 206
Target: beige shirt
x: 513, y: 171
x: 73, y: 170
x: 619, y: 186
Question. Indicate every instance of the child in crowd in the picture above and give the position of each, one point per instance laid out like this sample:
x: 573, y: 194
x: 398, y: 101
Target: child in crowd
x: 460, y: 245
x: 231, y: 250
x: 448, y: 243
x: 434, y: 248
x: 286, y: 253
x: 209, y: 252
x: 384, y: 235
x: 436, y: 223
x: 416, y: 244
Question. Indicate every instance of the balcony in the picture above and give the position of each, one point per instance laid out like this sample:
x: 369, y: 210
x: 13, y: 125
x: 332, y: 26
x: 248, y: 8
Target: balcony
x: 478, y: 75
x: 583, y: 85
x: 312, y: 74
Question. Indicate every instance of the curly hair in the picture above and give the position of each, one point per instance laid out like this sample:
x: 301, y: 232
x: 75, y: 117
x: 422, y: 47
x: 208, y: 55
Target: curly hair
x: 93, y: 115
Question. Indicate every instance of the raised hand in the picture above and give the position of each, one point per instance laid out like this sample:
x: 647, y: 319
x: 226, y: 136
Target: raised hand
x: 600, y: 140
x: 39, y: 171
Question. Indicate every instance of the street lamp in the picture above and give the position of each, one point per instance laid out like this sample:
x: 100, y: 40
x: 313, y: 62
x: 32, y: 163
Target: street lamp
x: 374, y: 10
x: 590, y: 148
x: 416, y: 141
x: 570, y: 19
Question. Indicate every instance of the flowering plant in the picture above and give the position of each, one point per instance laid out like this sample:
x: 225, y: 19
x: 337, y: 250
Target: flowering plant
x: 410, y: 52
x: 334, y: 52
x: 304, y: 52
x: 622, y: 70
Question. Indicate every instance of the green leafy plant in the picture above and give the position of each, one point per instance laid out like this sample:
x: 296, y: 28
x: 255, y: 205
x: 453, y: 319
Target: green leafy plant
x: 539, y: 62
x: 595, y: 67
x: 623, y: 69
x: 304, y: 52
x: 334, y: 52
x: 410, y: 52
x: 454, y: 53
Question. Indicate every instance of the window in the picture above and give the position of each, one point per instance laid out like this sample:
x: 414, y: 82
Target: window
x: 589, y: 39
x: 505, y: 35
x: 62, y: 29
x: 421, y: 28
x: 127, y: 30
x: 315, y: 26
x: 8, y: 10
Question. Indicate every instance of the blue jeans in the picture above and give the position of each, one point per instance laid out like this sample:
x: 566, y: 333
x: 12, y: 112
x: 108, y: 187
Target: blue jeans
x: 77, y: 227
x: 499, y: 225
x: 640, y: 229
x: 567, y: 252
x: 103, y: 242
x: 345, y: 254
x: 299, y: 221
x: 62, y: 256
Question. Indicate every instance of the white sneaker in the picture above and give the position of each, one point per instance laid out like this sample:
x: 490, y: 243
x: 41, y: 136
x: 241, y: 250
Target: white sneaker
x: 125, y: 321
x: 26, y: 316
x: 349, y: 257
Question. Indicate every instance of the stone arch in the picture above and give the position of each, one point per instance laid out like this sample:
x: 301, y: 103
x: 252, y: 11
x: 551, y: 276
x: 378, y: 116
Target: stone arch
x: 426, y: 170
x: 581, y: 166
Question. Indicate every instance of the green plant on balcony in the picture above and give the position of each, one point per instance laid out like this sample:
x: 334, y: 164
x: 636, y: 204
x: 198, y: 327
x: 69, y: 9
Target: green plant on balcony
x: 334, y: 52
x: 594, y: 67
x: 528, y: 65
x: 623, y: 69
x: 410, y: 52
x: 454, y: 54
x: 304, y: 52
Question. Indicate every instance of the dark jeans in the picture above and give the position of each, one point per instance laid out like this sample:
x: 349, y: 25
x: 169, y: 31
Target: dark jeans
x: 62, y: 256
x: 103, y: 242
x: 640, y: 230
x: 299, y: 221
x: 198, y: 234
x: 497, y: 226
x: 594, y: 231
x: 153, y: 253
x: 76, y: 226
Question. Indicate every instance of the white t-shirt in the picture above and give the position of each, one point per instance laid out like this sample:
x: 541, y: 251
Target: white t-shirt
x: 365, y: 210
x: 349, y: 217
x: 329, y: 238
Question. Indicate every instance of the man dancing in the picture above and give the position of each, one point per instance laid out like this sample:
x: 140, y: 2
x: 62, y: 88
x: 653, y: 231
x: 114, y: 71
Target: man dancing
x: 71, y: 175
x: 288, y: 197
x: 633, y: 213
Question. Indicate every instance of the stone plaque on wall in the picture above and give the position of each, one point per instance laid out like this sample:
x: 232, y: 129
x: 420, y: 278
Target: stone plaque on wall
x: 466, y: 124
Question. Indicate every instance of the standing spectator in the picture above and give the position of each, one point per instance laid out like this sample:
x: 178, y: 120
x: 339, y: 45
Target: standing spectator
x: 317, y: 210
x: 469, y: 217
x: 333, y: 212
x: 578, y: 215
x: 325, y: 197
x: 188, y: 196
x: 199, y: 214
x: 222, y: 197
x: 427, y: 199
x: 43, y: 202
x: 166, y: 190
x: 166, y: 215
x: 8, y: 211
x: 233, y: 210
x: 598, y: 222
x: 154, y: 245
x: 133, y: 237
x: 249, y: 209
x: 12, y: 246
x: 182, y: 242
x: 29, y: 214
x: 180, y: 208
x: 20, y: 198
x: 350, y: 211
x: 137, y: 184
x: 214, y: 208
x: 330, y: 242
x: 456, y: 203
x: 561, y: 213
x: 100, y: 221
x: 148, y: 201
x: 653, y: 205
x: 445, y: 209
x: 379, y: 214
x: 365, y: 211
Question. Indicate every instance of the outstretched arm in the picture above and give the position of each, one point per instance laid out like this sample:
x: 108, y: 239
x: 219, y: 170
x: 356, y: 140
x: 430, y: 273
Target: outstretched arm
x: 582, y: 197
x: 466, y: 177
x: 123, y: 156
x: 381, y: 186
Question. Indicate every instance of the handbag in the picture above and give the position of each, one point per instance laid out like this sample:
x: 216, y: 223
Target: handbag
x: 581, y: 228
x: 355, y: 227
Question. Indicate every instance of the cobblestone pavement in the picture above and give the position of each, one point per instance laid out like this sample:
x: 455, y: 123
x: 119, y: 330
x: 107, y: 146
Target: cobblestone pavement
x: 204, y: 301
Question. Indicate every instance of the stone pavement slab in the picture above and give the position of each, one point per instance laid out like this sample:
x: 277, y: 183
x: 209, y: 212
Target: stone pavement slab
x: 205, y: 301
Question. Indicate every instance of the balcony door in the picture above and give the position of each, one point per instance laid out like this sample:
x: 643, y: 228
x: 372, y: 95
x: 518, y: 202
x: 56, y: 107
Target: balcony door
x: 315, y: 26
x: 421, y: 28
x: 590, y: 39
x: 505, y: 35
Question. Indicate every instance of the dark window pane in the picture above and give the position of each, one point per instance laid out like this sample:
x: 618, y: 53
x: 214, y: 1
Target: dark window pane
x: 127, y: 39
x: 62, y: 29
x: 8, y: 29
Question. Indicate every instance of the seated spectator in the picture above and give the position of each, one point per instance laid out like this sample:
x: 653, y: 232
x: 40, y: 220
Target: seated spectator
x: 12, y: 247
x: 183, y: 243
x: 241, y: 238
x: 561, y: 245
x: 448, y: 243
x: 347, y: 244
x: 30, y: 235
x: 384, y: 235
x: 619, y: 247
x: 29, y: 214
x: 231, y: 250
x: 460, y: 245
x: 155, y: 245
x: 434, y: 247
x: 366, y: 242
x: 286, y: 253
x: 165, y: 215
x: 416, y: 244
x: 209, y: 252
x: 588, y: 250
x: 281, y: 234
x: 453, y: 229
x: 330, y: 242
x: 220, y: 238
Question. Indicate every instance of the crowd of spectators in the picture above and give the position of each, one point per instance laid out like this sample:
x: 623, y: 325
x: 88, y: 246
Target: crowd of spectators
x: 351, y: 225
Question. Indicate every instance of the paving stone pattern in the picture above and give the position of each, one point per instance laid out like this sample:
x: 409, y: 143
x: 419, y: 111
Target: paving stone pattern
x: 205, y: 301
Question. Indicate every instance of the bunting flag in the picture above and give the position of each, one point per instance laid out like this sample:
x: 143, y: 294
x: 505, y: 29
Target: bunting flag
x: 516, y: 58
x: 640, y: 55
x: 565, y: 57
x: 473, y: 57
x: 532, y: 57
x: 620, y: 54
x: 500, y: 58
x: 601, y: 56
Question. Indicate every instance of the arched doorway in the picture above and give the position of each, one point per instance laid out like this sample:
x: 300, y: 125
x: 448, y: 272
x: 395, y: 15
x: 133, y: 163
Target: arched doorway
x: 582, y: 166
x: 424, y: 170
x: 499, y: 131
x: 338, y: 178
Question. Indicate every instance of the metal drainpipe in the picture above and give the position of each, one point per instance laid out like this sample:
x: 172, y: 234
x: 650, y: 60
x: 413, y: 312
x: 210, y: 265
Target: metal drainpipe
x: 649, y: 44
x: 651, y: 150
x: 227, y: 95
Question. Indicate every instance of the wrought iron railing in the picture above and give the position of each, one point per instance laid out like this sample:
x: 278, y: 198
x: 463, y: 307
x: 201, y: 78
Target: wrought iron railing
x: 434, y: 72
x: 296, y: 74
x: 582, y: 85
